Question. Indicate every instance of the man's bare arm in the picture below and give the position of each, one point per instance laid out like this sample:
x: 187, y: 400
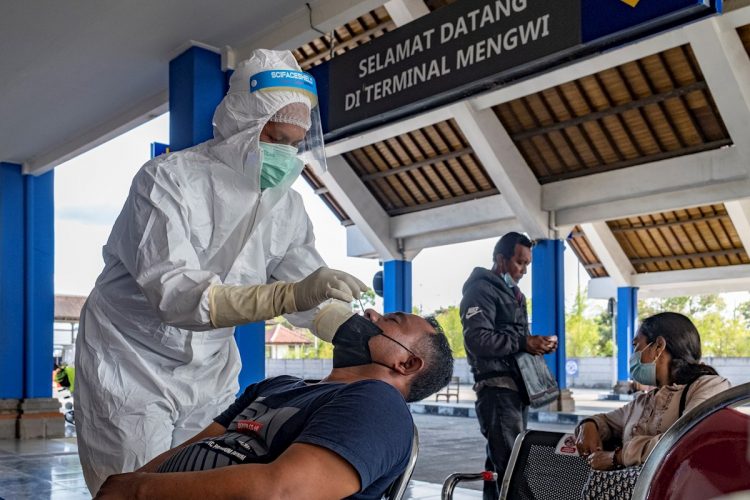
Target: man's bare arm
x: 211, y: 431
x: 303, y: 471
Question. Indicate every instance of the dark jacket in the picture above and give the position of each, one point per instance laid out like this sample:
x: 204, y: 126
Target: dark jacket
x: 495, y: 325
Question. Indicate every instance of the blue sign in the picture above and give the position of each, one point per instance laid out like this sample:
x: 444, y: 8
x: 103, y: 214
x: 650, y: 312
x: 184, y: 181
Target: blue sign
x: 571, y: 367
x: 603, y: 18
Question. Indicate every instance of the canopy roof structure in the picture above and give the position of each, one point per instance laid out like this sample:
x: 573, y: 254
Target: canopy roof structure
x: 638, y: 155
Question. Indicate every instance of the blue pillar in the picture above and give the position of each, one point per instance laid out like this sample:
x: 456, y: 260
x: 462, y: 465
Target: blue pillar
x: 11, y: 281
x: 397, y: 286
x: 158, y: 149
x: 196, y: 86
x: 39, y: 311
x: 548, y: 301
x: 251, y: 341
x: 627, y: 313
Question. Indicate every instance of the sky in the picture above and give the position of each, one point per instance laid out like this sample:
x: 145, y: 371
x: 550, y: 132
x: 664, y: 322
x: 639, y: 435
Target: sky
x: 91, y: 189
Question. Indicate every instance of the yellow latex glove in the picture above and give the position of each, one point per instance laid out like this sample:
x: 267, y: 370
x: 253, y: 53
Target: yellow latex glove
x: 325, y: 284
x: 236, y: 305
x: 230, y: 305
x: 330, y: 318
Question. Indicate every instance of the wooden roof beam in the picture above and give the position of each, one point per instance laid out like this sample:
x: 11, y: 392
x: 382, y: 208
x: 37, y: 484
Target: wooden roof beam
x: 583, y: 67
x: 405, y: 11
x: 469, y: 213
x: 669, y: 223
x: 604, y: 244
x: 366, y: 213
x: 687, y: 181
x: 726, y: 68
x: 505, y: 165
x: 295, y: 30
x: 739, y: 213
x: 385, y: 132
x: 693, y: 281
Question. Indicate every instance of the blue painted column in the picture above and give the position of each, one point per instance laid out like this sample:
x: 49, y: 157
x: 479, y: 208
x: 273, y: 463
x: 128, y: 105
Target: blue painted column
x: 12, y: 281
x: 397, y: 286
x: 158, y: 149
x: 548, y: 301
x: 39, y: 310
x: 196, y: 86
x: 627, y: 314
x: 251, y: 341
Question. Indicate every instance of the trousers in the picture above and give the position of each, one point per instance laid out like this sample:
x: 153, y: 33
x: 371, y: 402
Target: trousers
x: 502, y: 416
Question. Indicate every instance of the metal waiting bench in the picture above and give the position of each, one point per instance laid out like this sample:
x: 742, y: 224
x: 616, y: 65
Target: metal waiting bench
x: 702, y: 455
x: 397, y: 490
x: 450, y: 391
x: 705, y: 454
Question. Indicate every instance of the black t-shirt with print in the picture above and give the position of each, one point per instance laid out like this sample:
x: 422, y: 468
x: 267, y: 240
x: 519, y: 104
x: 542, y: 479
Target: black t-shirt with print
x: 367, y: 423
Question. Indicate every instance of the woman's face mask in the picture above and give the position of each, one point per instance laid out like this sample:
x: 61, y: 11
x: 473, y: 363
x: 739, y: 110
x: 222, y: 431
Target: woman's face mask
x: 643, y: 373
x: 279, y: 160
x: 351, y: 343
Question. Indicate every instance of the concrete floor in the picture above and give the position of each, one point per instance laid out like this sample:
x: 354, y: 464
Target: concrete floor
x: 49, y: 469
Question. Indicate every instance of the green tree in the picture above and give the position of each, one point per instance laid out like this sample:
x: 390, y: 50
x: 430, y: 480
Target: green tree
x: 722, y: 334
x: 742, y: 312
x: 581, y: 333
x: 450, y: 320
x: 604, y: 326
x: 367, y: 299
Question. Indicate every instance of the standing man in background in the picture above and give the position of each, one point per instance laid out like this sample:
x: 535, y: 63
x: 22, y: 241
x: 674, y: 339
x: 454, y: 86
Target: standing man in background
x: 496, y: 326
x: 209, y: 238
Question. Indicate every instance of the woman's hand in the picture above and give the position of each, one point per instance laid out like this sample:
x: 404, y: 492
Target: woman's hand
x: 602, y: 460
x: 588, y: 440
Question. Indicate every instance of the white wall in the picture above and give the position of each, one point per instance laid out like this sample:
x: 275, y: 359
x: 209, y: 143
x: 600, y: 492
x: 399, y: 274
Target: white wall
x: 592, y: 372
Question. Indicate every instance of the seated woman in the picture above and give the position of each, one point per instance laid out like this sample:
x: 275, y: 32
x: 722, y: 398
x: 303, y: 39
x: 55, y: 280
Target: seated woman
x: 666, y: 354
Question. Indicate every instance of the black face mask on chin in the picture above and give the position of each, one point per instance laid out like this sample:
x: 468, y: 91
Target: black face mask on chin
x: 351, y: 343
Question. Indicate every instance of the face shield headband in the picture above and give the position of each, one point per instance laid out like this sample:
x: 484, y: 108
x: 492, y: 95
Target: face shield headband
x: 311, y: 150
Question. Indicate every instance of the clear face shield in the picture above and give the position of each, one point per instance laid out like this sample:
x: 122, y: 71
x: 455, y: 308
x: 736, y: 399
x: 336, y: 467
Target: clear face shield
x: 311, y: 148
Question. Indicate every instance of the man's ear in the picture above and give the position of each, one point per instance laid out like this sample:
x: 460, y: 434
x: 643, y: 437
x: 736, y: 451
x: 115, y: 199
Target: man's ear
x: 412, y: 365
x: 499, y: 263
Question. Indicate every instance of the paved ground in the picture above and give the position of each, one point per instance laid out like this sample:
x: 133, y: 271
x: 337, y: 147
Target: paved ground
x: 454, y: 444
x: 49, y: 469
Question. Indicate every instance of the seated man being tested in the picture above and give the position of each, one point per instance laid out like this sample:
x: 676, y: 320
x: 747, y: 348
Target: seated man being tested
x: 348, y: 435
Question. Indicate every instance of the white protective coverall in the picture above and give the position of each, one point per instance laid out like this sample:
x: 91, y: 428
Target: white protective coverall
x: 152, y: 371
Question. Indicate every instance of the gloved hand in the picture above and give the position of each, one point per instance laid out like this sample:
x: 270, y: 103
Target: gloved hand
x: 330, y: 318
x: 236, y: 305
x: 326, y: 284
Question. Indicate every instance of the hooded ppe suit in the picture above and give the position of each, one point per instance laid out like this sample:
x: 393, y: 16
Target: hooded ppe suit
x: 152, y: 369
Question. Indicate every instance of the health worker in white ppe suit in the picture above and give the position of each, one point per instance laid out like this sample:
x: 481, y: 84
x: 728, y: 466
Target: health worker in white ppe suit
x: 209, y: 238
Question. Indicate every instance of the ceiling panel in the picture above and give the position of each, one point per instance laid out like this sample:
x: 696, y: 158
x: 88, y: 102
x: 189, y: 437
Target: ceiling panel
x: 586, y: 256
x: 344, y: 38
x: 653, y: 108
x: 426, y: 168
x: 682, y: 239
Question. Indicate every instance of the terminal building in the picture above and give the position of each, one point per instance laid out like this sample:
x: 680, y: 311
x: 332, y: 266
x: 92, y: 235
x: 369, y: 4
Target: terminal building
x: 618, y: 130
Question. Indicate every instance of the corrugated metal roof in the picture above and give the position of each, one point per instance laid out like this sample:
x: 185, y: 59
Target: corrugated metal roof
x: 349, y: 36
x: 580, y: 245
x: 653, y: 108
x: 425, y: 168
x: 680, y: 239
